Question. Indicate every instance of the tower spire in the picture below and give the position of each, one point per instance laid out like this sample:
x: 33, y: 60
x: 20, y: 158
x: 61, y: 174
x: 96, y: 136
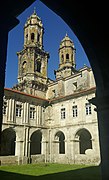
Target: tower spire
x: 67, y: 58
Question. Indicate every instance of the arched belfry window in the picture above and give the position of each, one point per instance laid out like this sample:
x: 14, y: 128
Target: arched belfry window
x: 32, y: 36
x: 72, y: 57
x: 24, y: 67
x: 38, y: 65
x: 67, y: 56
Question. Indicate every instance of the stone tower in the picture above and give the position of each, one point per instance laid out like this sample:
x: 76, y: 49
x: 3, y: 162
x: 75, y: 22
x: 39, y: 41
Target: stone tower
x: 33, y: 60
x: 67, y: 58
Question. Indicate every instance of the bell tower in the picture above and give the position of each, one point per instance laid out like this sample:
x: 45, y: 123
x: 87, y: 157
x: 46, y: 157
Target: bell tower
x: 32, y: 60
x: 67, y: 58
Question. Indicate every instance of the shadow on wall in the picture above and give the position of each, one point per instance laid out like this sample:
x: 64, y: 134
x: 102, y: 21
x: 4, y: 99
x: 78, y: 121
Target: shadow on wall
x: 89, y: 173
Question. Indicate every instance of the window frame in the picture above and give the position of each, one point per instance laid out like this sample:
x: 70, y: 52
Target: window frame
x: 5, y: 107
x: 75, y: 111
x: 18, y: 110
x: 32, y: 111
x: 88, y: 108
x: 63, y: 113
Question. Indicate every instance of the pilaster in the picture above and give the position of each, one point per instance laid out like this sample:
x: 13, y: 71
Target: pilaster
x: 102, y: 108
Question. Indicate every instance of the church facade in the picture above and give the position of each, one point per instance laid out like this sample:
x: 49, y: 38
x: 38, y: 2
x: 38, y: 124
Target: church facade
x: 48, y: 120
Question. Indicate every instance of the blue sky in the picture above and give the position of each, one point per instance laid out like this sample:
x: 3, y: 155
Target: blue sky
x: 55, y: 30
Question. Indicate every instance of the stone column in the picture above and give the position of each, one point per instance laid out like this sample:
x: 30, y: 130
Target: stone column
x: 44, y: 149
x: 19, y: 150
x: 72, y: 155
x: 55, y: 150
x: 102, y: 105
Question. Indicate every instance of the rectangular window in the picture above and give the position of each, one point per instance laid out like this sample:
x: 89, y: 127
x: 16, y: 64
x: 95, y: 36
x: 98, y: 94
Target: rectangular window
x: 32, y: 112
x: 88, y: 108
x: 18, y: 110
x: 4, y: 107
x: 75, y: 111
x: 63, y: 113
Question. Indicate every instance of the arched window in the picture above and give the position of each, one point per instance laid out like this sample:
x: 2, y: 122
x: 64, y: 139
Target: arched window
x: 61, y: 144
x: 24, y: 65
x: 32, y: 37
x: 8, y: 138
x: 72, y: 57
x: 38, y: 65
x: 67, y: 56
x: 35, y: 145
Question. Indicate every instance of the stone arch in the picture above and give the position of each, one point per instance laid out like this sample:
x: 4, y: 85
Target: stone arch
x: 83, y: 140
x: 60, y: 138
x: 8, y: 138
x: 35, y: 142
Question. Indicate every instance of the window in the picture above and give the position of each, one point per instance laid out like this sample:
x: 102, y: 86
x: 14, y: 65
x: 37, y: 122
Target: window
x: 4, y: 107
x: 32, y: 112
x: 24, y: 67
x: 67, y: 56
x: 32, y: 37
x: 75, y: 86
x: 18, y: 110
x: 75, y: 111
x: 88, y: 109
x: 38, y: 66
x: 63, y: 113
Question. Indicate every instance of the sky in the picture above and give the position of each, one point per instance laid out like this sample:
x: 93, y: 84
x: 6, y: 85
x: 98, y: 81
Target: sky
x: 55, y: 30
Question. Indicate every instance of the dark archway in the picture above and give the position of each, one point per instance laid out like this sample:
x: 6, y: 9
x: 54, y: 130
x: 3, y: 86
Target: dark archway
x: 35, y: 144
x: 8, y: 138
x: 61, y: 139
x: 85, y: 140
